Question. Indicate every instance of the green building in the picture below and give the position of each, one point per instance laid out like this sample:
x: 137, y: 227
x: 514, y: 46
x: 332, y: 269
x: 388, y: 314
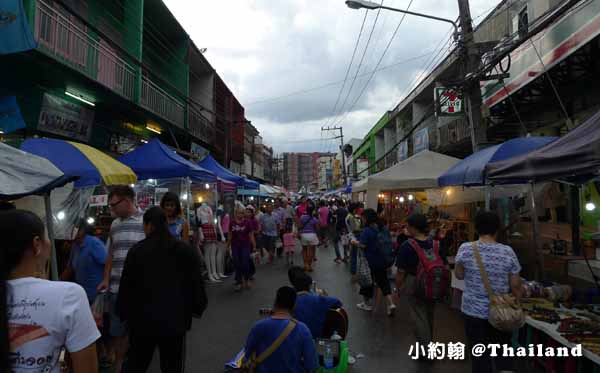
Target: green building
x: 112, y: 73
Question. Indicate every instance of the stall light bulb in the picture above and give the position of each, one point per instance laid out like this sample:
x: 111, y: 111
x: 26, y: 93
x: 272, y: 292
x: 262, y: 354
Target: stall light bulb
x: 199, y: 199
x: 184, y: 197
x: 207, y: 186
x: 401, y: 199
x: 448, y: 192
x: 132, y: 185
x: 397, y: 198
x: 411, y: 197
x: 91, y: 220
x: 251, y: 198
x: 61, y: 215
x: 151, y: 181
x: 590, y: 206
x: 215, y: 221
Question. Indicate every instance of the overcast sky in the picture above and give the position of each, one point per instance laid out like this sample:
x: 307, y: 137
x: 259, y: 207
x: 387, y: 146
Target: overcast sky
x: 269, y: 50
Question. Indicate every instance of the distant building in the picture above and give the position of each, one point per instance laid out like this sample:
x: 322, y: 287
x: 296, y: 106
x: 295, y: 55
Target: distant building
x: 301, y: 171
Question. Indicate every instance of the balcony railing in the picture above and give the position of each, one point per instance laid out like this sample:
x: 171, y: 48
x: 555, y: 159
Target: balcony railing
x: 200, y: 127
x: 60, y: 35
x: 161, y: 103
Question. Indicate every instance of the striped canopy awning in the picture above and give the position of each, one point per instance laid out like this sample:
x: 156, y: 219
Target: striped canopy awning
x: 74, y: 159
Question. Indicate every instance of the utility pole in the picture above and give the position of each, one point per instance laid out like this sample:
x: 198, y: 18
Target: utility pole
x: 471, y: 56
x: 341, y: 137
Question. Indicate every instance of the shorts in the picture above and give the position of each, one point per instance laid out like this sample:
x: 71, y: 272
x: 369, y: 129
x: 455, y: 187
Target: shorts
x: 269, y: 242
x: 323, y: 233
x: 309, y: 239
x: 116, y: 327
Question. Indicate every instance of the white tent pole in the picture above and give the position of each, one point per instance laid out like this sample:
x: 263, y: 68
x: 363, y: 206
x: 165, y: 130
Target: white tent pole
x: 49, y: 228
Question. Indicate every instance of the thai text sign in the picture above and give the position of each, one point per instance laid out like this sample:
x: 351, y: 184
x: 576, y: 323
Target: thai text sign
x: 64, y: 118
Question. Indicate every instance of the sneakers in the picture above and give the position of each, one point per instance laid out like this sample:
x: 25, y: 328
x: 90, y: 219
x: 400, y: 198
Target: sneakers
x: 391, y: 310
x: 365, y: 307
x: 337, y: 260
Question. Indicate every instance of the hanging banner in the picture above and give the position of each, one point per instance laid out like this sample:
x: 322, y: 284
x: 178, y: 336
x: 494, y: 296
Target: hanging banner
x: 421, y: 140
x: 402, y: 151
x: 10, y: 115
x: 15, y: 33
x: 64, y: 118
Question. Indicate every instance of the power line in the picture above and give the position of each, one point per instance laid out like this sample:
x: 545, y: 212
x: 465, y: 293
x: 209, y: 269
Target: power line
x: 337, y: 101
x: 387, y: 47
x: 327, y: 85
x: 359, y: 65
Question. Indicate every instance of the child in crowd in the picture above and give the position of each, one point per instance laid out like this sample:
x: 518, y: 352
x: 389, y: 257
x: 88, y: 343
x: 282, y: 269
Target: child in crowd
x: 289, y: 244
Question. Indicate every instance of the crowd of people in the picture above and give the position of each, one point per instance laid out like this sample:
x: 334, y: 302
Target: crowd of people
x: 151, y: 282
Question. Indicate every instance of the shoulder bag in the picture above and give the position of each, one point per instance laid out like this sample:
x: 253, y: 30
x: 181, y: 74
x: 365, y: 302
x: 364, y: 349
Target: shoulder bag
x: 251, y: 364
x: 505, y: 312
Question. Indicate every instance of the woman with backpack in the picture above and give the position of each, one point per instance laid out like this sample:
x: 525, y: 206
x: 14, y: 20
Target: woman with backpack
x: 375, y: 246
x: 423, y: 274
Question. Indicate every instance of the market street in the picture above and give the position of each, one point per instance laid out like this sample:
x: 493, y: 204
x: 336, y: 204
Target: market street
x: 384, y: 341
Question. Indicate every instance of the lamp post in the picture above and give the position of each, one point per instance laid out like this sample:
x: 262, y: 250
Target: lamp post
x: 359, y: 4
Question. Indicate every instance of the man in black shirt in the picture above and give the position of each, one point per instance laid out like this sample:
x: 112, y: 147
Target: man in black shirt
x: 407, y: 262
x: 340, y: 230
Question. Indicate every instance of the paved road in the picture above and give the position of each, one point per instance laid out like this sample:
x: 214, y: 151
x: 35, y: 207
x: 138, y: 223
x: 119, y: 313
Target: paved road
x: 384, y: 341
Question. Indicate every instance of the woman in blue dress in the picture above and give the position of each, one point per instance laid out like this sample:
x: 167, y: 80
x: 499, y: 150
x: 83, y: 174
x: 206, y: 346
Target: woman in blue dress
x: 178, y: 226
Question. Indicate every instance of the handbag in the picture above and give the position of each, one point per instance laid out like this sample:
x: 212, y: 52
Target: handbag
x: 363, y: 271
x: 251, y: 363
x: 505, y: 312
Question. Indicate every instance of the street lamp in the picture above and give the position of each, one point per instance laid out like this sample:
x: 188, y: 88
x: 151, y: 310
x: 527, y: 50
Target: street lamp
x: 358, y: 4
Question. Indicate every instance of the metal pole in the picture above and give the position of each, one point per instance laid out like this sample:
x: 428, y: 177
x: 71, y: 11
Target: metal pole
x: 50, y: 229
x: 424, y: 16
x: 575, y: 218
x: 535, y: 230
x: 488, y: 197
x: 343, y: 157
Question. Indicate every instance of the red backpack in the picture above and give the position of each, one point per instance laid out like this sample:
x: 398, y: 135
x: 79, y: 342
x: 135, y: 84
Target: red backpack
x: 433, y: 278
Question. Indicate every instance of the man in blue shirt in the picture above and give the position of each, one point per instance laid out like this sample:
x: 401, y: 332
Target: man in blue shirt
x: 297, y: 353
x: 87, y: 260
x: 311, y: 308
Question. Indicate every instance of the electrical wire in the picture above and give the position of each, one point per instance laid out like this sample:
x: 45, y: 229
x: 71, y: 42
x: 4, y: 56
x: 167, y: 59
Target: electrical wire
x: 337, y: 101
x: 387, y: 47
x: 327, y: 85
x: 360, y: 64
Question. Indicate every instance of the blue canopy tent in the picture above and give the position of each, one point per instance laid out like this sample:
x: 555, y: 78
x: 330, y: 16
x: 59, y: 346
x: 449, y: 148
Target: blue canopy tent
x: 472, y: 171
x: 155, y: 160
x: 221, y: 172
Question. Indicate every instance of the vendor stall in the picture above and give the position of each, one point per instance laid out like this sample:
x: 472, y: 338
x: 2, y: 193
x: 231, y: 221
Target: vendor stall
x: 419, y: 172
x: 23, y: 174
x: 92, y: 168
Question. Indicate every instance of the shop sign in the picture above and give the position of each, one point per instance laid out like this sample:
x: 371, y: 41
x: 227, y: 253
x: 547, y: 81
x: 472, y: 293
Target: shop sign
x: 99, y: 200
x: 448, y: 101
x: 65, y: 118
x: 421, y: 140
x: 402, y: 150
x: 198, y: 150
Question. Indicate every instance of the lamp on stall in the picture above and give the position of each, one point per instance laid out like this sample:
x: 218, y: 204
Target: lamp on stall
x: 589, y: 205
x: 207, y: 186
x: 200, y: 199
x: 411, y: 197
x: 153, y: 127
x: 401, y: 199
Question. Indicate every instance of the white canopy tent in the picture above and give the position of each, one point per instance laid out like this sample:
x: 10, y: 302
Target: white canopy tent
x: 456, y: 195
x: 418, y: 172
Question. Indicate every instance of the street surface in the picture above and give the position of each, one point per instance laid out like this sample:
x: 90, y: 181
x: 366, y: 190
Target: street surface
x: 384, y: 341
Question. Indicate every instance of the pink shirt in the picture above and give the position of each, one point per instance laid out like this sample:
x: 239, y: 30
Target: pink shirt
x: 225, y: 220
x: 324, y: 216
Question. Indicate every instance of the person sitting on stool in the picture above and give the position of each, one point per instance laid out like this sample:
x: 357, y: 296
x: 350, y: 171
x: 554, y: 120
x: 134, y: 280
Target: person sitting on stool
x: 311, y: 308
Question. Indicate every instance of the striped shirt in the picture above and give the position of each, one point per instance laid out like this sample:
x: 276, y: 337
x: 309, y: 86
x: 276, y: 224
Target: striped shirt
x: 124, y: 233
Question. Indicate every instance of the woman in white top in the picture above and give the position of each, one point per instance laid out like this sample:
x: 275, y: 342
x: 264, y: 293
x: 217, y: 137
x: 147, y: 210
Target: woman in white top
x: 39, y: 317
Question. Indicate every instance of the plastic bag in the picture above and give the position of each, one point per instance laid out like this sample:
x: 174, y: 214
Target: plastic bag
x: 99, y: 308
